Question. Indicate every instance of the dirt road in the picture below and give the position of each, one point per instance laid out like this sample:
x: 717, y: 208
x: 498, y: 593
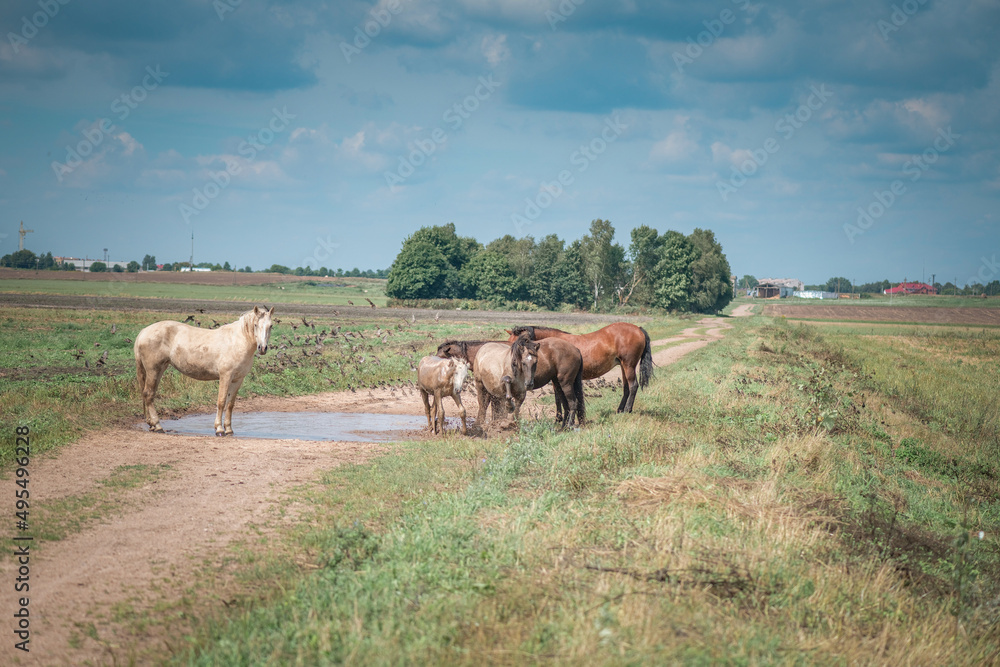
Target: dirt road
x: 168, y: 536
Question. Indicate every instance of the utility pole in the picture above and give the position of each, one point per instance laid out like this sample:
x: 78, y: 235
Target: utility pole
x: 191, y: 265
x: 20, y: 234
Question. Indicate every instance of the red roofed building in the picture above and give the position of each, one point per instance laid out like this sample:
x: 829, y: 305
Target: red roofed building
x: 911, y: 288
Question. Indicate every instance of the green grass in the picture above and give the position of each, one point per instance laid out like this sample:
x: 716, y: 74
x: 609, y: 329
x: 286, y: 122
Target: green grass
x: 909, y: 301
x: 723, y: 522
x: 46, y: 384
x: 336, y: 293
x: 791, y: 494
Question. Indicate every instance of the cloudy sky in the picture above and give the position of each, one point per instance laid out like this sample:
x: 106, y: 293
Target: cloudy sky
x: 815, y: 139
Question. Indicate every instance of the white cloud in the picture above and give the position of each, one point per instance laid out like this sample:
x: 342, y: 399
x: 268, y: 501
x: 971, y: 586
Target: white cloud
x: 495, y: 49
x: 677, y: 146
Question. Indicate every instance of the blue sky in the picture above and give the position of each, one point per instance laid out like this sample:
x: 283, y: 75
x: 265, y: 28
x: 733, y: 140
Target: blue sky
x: 815, y: 139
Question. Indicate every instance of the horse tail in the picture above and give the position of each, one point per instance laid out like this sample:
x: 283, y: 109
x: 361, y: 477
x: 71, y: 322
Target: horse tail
x: 581, y: 411
x: 646, y: 363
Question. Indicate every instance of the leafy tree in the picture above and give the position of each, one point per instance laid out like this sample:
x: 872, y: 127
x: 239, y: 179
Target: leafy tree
x: 518, y: 253
x: 748, y: 281
x: 837, y: 284
x: 149, y: 263
x: 117, y: 268
x: 602, y: 259
x: 168, y: 267
x: 643, y: 255
x: 278, y: 268
x: 429, y: 264
x: 418, y: 272
x: 68, y: 266
x: 543, y: 284
x: 492, y: 278
x: 569, y: 280
x: 98, y: 267
x: 46, y: 261
x: 132, y: 267
x: 226, y: 267
x: 711, y: 289
x: 673, y: 272
x: 20, y: 259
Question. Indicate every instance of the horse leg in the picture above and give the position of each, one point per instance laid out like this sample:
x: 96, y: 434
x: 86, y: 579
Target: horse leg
x: 234, y: 388
x: 220, y: 405
x: 483, y: 396
x: 561, y: 415
x: 152, y: 381
x: 518, y: 400
x: 427, y: 409
x: 569, y: 403
x: 626, y: 388
x: 438, y: 411
x: 633, y: 385
x: 461, y: 410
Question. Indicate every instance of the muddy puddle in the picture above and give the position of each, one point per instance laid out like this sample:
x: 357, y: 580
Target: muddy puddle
x: 339, y: 426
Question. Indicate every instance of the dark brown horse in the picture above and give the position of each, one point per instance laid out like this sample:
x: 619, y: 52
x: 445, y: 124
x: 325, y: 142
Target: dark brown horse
x: 558, y: 362
x: 619, y: 344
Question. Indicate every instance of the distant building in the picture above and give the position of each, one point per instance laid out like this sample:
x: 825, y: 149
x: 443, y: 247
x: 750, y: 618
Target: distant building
x: 84, y: 264
x: 793, y: 283
x: 197, y: 269
x: 903, y: 289
x: 769, y: 290
x: 814, y: 294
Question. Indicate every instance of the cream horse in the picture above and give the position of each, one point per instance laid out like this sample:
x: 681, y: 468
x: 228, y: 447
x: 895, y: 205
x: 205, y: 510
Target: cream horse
x: 437, y: 378
x: 504, y: 373
x: 224, y: 354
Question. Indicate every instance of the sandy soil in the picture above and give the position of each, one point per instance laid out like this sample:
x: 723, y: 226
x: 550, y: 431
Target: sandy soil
x: 216, y: 491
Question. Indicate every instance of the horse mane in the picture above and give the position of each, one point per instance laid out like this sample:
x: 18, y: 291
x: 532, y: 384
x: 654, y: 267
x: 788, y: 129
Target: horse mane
x: 530, y: 330
x: 247, y: 321
x: 516, y: 349
x: 463, y: 345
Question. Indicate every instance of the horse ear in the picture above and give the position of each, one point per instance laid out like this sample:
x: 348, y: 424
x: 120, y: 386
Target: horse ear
x: 256, y: 310
x: 509, y: 331
x: 271, y: 312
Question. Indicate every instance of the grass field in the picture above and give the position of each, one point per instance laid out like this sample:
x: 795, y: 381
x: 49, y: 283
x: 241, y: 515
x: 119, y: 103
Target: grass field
x: 773, y: 500
x: 878, y: 300
x: 790, y: 494
x: 335, y: 293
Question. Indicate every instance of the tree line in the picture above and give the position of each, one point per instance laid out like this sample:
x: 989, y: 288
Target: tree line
x: 842, y: 284
x: 26, y: 259
x: 672, y: 271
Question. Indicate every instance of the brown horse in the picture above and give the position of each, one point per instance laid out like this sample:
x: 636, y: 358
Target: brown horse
x: 619, y: 344
x: 224, y: 354
x: 559, y: 362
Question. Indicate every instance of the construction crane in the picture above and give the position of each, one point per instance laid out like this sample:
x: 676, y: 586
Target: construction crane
x: 20, y: 233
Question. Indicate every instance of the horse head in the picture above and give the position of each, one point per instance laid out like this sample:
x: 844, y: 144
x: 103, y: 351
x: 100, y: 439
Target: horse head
x: 524, y: 358
x: 453, y: 349
x: 517, y: 331
x: 262, y: 327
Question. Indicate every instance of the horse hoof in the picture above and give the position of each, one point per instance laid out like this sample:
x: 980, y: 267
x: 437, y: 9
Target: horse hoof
x: 156, y: 429
x: 219, y: 434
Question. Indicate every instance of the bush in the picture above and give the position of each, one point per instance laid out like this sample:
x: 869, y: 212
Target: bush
x: 98, y: 267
